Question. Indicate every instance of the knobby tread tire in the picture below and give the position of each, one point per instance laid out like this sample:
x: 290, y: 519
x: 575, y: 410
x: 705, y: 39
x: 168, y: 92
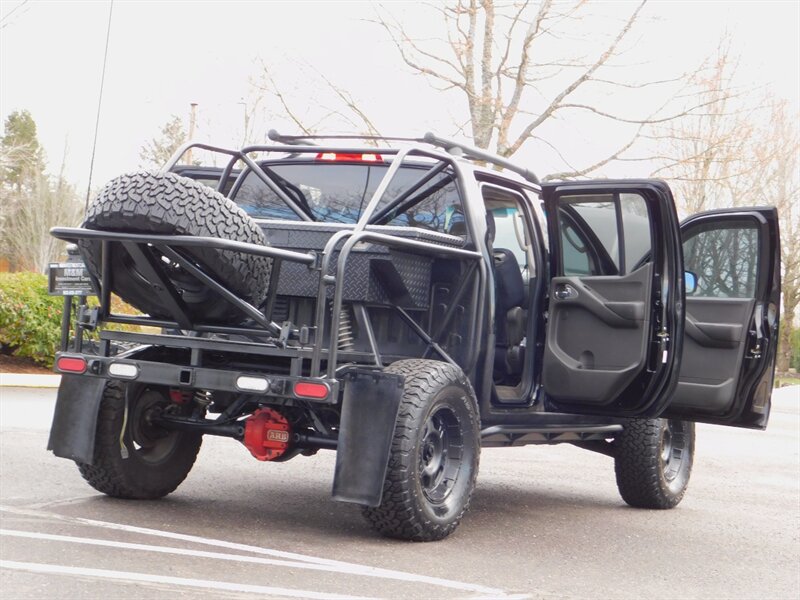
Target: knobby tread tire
x: 639, y: 469
x: 166, y: 203
x: 119, y: 477
x: 403, y: 513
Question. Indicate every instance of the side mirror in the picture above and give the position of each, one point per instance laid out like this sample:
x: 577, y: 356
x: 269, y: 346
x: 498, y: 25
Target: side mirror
x: 690, y: 282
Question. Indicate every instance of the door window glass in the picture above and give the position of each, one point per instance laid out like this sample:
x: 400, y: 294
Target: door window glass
x: 604, y: 234
x: 574, y: 251
x: 636, y: 226
x: 724, y: 260
x: 600, y: 216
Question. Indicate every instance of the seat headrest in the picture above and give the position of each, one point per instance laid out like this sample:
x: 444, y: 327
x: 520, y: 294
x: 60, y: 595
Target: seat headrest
x: 458, y: 228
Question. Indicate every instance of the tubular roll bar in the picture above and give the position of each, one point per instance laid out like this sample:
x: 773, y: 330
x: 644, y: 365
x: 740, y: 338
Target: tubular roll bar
x: 295, y: 145
x: 477, y: 154
x: 469, y: 151
x: 72, y: 234
x: 132, y: 243
x: 167, y: 244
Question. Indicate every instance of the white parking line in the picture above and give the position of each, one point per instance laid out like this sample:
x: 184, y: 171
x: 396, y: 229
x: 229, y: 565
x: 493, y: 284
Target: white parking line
x: 177, y: 551
x: 330, y: 565
x: 166, y: 579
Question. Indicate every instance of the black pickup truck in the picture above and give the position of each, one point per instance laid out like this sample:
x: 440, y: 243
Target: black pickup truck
x: 406, y: 305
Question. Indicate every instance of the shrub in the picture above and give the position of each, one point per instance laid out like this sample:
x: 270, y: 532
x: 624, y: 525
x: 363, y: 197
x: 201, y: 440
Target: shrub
x: 30, y: 319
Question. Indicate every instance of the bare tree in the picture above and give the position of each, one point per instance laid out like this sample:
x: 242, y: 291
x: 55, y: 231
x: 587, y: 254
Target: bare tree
x: 743, y: 150
x: 42, y: 203
x: 30, y: 203
x: 777, y: 155
x: 332, y: 103
x: 707, y: 155
x: 519, y: 66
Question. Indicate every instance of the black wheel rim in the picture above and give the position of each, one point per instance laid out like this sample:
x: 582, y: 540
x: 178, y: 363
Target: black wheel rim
x: 151, y: 443
x: 189, y: 288
x: 674, y: 449
x: 440, y: 457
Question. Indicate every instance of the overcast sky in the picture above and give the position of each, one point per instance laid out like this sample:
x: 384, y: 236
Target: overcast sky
x: 164, y: 55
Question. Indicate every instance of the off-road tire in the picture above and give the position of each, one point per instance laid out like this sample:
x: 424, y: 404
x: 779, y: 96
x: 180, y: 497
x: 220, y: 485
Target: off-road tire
x: 166, y: 203
x: 434, y: 393
x: 131, y: 472
x: 653, y: 462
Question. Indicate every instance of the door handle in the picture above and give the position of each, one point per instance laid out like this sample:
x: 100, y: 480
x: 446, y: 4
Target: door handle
x: 616, y: 314
x: 565, y: 291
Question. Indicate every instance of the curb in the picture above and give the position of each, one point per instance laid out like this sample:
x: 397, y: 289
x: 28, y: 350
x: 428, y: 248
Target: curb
x: 29, y: 381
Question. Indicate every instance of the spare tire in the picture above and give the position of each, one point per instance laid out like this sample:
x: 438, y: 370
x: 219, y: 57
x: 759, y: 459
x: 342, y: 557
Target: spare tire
x: 168, y: 204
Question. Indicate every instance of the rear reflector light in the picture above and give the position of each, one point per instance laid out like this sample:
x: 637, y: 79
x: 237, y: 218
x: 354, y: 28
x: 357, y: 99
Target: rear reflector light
x: 350, y: 157
x: 71, y: 364
x: 304, y: 389
x: 252, y: 384
x: 126, y: 370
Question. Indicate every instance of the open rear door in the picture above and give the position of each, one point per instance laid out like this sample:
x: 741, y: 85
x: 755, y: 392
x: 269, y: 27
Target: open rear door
x: 615, y: 319
x: 732, y: 259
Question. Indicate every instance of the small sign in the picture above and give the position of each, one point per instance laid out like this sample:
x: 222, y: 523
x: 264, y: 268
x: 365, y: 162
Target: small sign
x: 69, y: 279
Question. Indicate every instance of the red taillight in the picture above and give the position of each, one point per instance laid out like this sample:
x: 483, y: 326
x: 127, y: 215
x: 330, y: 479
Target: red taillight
x: 71, y: 364
x: 305, y: 389
x: 340, y: 157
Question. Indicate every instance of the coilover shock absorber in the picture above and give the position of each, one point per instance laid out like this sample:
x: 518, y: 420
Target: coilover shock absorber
x: 202, y: 398
x: 346, y: 336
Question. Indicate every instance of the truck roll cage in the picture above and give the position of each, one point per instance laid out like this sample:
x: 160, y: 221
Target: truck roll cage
x: 139, y: 248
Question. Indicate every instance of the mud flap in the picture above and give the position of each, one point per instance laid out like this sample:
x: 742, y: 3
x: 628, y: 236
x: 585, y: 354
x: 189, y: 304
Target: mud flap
x: 75, y: 418
x: 369, y: 412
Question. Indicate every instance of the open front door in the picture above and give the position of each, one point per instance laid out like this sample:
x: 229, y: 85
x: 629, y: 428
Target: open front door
x: 615, y: 321
x: 732, y: 259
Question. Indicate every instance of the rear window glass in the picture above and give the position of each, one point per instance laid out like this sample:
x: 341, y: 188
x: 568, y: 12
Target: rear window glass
x: 339, y: 193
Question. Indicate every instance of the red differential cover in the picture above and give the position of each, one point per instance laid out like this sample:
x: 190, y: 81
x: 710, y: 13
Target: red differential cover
x: 266, y: 434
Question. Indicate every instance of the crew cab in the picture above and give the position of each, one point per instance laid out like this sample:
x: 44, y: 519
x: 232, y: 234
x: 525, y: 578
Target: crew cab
x: 405, y: 305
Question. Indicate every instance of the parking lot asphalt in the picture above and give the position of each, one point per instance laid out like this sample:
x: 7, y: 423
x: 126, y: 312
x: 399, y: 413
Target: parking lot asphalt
x: 545, y: 522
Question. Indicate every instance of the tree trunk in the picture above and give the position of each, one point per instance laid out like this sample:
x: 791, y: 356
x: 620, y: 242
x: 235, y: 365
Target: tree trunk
x: 790, y: 301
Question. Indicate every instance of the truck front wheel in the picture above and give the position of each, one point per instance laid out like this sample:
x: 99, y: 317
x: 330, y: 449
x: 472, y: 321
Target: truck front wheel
x: 434, y: 458
x: 653, y: 462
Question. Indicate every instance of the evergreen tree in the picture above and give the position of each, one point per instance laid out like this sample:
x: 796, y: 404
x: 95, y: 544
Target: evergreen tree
x: 158, y: 151
x: 21, y: 151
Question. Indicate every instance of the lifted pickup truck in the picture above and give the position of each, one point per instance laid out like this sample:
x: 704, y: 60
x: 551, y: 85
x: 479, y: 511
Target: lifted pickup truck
x: 407, y: 305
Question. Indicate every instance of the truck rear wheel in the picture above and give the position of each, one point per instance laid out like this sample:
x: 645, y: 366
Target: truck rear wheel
x: 168, y: 204
x: 653, y: 462
x: 434, y: 458
x: 133, y: 458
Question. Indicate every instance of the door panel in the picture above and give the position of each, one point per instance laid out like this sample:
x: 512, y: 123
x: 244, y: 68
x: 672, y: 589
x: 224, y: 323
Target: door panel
x: 721, y: 324
x: 615, y: 301
x: 712, y: 352
x: 581, y: 365
x: 731, y: 333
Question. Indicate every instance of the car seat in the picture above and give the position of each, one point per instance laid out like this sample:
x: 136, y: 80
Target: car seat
x: 510, y: 316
